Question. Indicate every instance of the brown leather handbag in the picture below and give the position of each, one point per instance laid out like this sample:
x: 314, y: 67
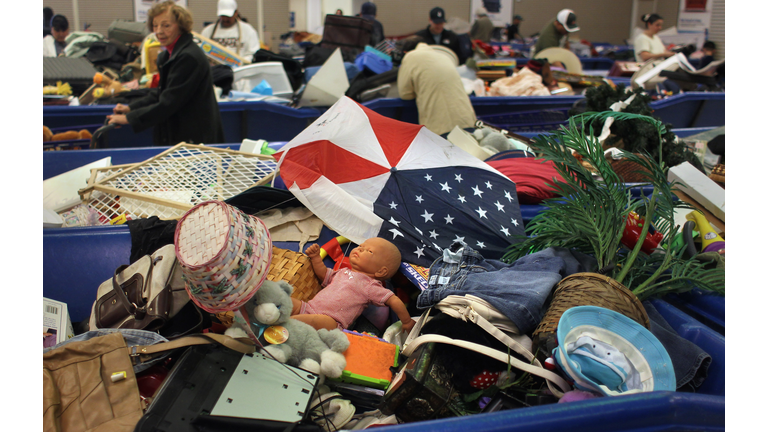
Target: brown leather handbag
x: 143, y: 295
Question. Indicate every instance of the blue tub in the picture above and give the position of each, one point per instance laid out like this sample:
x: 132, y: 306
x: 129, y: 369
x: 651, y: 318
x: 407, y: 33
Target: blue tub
x: 77, y: 261
x: 405, y: 110
x: 691, y: 110
x: 240, y: 120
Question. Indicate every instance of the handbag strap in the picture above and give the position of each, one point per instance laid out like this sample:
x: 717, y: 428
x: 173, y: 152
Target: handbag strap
x: 140, y: 353
x: 131, y: 307
x: 534, y: 369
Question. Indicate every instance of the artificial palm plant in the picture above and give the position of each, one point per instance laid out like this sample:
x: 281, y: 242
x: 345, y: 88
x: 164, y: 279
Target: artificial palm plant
x: 590, y: 213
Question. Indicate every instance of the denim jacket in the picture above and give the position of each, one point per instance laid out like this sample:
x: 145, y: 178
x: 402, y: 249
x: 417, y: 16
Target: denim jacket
x: 518, y: 290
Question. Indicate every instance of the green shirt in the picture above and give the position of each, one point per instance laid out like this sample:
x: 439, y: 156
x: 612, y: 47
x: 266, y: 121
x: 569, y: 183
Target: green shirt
x: 549, y: 37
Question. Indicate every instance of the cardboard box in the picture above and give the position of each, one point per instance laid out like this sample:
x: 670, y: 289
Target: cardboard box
x: 701, y: 188
x: 57, y: 326
x: 216, y: 52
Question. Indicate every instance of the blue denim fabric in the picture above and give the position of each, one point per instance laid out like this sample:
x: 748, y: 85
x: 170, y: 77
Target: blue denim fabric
x: 690, y: 362
x: 518, y: 290
x: 132, y: 337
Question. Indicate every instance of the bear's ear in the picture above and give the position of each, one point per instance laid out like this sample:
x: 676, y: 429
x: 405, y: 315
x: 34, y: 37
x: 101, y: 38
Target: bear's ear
x: 288, y: 288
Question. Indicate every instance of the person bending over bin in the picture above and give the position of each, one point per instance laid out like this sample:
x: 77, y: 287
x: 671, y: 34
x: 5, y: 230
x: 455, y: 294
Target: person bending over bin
x: 348, y: 291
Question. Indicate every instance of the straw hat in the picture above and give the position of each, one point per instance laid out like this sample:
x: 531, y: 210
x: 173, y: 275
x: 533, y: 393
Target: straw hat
x: 224, y: 255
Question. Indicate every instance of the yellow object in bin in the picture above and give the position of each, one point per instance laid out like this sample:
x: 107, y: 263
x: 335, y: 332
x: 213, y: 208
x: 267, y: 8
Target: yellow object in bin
x: 710, y: 240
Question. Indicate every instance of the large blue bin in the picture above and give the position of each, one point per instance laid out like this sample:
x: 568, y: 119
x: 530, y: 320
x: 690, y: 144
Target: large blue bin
x: 405, y: 110
x: 59, y: 162
x: 704, y: 306
x: 77, y: 261
x: 240, y: 120
x: 691, y: 110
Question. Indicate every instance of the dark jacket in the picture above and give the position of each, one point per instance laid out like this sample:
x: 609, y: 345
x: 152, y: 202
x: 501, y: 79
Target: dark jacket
x: 183, y: 107
x: 377, y: 33
x: 447, y: 39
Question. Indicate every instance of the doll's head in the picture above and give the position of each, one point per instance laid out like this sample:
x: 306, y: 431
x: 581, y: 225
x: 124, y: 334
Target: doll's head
x: 376, y: 257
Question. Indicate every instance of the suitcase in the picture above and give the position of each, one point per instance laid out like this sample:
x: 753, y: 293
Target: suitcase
x: 127, y: 32
x: 351, y: 34
x: 78, y: 72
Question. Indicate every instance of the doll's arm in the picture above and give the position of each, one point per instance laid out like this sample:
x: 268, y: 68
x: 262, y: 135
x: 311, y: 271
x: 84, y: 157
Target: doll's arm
x: 398, y: 307
x: 313, y: 252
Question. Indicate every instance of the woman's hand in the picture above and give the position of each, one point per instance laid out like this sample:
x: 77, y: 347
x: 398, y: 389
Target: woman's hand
x: 121, y: 109
x: 118, y: 119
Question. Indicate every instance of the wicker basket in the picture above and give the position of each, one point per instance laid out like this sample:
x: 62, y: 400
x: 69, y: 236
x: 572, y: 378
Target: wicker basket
x: 296, y: 269
x: 224, y: 255
x: 585, y: 289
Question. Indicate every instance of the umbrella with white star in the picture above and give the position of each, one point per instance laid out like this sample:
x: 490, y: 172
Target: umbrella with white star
x: 366, y: 176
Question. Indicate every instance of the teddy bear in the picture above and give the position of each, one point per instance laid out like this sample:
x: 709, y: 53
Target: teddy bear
x: 318, y: 351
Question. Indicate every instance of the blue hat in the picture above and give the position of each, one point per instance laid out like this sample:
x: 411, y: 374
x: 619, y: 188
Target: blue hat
x: 437, y: 15
x: 609, y: 353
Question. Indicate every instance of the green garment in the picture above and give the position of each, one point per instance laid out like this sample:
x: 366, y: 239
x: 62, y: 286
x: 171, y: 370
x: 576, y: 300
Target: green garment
x: 549, y: 37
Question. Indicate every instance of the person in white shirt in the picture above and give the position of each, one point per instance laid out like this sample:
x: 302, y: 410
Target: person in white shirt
x: 232, y: 32
x: 648, y: 45
x: 54, y: 43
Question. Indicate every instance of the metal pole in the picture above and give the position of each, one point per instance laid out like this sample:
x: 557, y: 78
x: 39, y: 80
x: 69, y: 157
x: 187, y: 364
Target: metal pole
x: 76, y: 15
x: 260, y: 20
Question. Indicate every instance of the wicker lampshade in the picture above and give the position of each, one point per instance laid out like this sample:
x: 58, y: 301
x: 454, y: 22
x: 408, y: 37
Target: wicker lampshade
x: 224, y: 255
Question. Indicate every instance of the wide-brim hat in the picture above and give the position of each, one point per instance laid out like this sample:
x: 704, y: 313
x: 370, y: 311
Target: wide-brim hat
x: 224, y: 255
x: 606, y: 352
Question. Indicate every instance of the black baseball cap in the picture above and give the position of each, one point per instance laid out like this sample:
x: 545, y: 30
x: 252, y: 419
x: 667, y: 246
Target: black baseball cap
x: 437, y: 15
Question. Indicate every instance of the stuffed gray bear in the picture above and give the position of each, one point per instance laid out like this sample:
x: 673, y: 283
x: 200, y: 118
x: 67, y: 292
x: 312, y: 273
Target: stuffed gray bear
x: 318, y: 351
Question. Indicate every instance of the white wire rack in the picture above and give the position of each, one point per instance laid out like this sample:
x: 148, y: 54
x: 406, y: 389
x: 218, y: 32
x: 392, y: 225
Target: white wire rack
x: 174, y: 181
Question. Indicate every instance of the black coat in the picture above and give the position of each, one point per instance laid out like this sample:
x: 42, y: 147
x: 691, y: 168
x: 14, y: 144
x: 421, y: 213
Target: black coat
x: 183, y: 107
x: 447, y: 39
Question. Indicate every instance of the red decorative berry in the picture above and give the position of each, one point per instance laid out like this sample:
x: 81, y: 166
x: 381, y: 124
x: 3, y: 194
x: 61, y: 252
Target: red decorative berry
x: 484, y: 380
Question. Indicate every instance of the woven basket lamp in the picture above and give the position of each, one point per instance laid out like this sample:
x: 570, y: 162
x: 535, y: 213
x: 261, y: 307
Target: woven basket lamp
x: 585, y: 289
x: 224, y: 255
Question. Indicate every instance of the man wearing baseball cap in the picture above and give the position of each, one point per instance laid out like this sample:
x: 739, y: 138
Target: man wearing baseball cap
x: 555, y: 33
x: 232, y: 32
x: 436, y: 34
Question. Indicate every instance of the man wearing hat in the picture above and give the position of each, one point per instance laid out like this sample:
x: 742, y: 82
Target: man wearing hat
x: 436, y: 34
x: 482, y: 29
x: 554, y: 34
x: 232, y: 32
x: 513, y: 30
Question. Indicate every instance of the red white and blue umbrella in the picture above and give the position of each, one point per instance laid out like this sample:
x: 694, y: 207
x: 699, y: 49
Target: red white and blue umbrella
x: 366, y: 175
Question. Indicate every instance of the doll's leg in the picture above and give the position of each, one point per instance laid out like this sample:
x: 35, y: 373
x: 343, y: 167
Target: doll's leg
x: 317, y: 321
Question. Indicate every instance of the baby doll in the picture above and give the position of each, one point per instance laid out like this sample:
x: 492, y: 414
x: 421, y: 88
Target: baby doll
x: 346, y: 292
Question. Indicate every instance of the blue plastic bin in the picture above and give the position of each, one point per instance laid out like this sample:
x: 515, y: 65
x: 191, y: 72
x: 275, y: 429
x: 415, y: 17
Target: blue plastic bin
x: 706, y: 307
x: 528, y: 121
x: 71, y: 144
x: 77, y: 260
x: 240, y: 120
x: 405, y: 110
x: 691, y: 110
